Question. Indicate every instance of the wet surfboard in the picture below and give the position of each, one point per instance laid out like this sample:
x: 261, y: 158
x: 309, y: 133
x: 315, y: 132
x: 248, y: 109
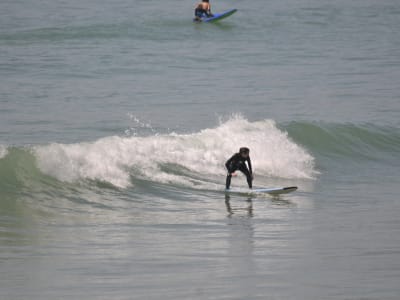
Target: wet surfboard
x: 217, y: 17
x: 270, y: 191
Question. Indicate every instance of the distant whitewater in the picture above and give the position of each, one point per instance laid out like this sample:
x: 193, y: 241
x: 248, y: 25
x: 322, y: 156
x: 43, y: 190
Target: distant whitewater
x: 183, y: 159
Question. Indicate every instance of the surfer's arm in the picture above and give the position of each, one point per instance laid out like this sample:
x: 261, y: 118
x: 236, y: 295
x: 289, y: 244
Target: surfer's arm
x: 209, y: 11
x: 249, y: 163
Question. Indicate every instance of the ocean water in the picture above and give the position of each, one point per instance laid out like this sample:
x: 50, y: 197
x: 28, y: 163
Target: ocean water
x: 116, y: 118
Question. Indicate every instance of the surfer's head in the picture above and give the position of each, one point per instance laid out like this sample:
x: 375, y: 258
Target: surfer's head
x: 244, y: 151
x: 206, y: 1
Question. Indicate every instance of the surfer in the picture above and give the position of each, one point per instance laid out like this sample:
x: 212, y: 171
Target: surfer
x: 238, y: 162
x: 202, y: 9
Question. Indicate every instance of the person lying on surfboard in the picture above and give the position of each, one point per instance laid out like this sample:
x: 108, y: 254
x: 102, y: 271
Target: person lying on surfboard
x: 202, y: 9
x: 238, y: 162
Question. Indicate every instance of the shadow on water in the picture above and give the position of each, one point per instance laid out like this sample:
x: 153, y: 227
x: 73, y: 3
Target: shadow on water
x: 232, y: 210
x: 276, y: 201
x: 219, y: 25
x: 279, y: 201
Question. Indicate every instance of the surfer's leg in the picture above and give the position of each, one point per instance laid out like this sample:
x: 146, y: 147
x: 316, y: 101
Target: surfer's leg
x: 249, y: 181
x: 246, y: 172
x: 228, y: 181
x: 231, y: 169
x: 199, y: 13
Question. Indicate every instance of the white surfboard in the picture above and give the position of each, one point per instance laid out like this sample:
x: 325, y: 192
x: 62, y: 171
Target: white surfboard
x: 270, y: 191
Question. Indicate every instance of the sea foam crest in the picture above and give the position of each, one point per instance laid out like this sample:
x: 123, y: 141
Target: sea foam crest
x: 115, y: 159
x: 3, y: 151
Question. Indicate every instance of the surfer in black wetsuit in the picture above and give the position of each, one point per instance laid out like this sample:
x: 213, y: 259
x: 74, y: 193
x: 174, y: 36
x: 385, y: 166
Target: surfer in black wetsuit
x: 202, y: 9
x: 238, y: 162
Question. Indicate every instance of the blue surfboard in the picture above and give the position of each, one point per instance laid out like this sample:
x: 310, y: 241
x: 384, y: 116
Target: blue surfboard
x: 216, y: 17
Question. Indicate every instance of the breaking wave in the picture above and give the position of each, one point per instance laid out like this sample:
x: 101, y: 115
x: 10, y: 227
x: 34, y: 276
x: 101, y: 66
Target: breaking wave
x: 193, y: 160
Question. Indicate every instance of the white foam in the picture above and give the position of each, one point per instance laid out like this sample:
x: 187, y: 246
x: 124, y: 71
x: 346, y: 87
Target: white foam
x: 115, y: 159
x: 3, y: 151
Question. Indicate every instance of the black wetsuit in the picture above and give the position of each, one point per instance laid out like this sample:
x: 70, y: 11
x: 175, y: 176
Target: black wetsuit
x: 238, y: 162
x: 199, y: 12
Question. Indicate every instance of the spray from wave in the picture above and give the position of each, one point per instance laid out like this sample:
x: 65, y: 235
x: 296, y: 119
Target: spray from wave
x: 3, y: 151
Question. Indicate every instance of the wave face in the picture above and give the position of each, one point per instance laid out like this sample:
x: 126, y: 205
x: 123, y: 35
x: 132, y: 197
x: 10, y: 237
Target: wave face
x: 344, y: 142
x: 290, y: 151
x: 193, y: 160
